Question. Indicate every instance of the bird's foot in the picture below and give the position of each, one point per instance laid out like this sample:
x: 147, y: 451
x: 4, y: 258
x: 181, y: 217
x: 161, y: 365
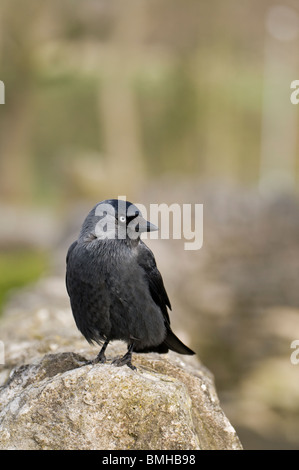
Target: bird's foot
x: 97, y: 360
x: 125, y: 360
x: 100, y: 359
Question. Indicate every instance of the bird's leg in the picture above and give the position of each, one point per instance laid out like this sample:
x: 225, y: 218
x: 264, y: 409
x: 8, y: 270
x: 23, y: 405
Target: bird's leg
x: 101, y: 356
x: 126, y: 359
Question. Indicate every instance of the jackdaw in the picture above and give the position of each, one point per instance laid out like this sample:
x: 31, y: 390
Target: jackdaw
x: 115, y: 289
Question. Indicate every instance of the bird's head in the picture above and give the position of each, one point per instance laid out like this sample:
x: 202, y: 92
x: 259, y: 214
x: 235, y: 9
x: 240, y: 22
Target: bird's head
x: 116, y: 219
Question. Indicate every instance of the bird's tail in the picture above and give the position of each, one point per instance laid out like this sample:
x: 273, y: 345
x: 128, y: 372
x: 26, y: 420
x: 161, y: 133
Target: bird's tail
x: 175, y: 344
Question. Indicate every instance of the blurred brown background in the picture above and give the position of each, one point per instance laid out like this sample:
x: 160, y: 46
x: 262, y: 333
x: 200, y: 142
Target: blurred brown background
x: 167, y: 101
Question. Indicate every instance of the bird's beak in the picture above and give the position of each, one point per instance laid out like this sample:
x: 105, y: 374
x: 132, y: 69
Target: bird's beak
x: 151, y: 227
x: 145, y: 226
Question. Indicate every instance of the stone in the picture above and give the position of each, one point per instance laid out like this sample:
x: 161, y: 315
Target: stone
x: 60, y: 403
x: 52, y: 398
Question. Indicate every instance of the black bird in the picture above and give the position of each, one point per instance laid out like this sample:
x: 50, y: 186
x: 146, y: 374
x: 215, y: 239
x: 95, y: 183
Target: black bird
x: 116, y: 291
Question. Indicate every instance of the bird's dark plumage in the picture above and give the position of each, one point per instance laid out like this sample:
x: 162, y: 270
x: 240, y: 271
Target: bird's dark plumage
x: 116, y: 290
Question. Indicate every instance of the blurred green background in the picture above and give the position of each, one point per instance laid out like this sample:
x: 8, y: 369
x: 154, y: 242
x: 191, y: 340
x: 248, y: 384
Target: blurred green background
x: 167, y: 101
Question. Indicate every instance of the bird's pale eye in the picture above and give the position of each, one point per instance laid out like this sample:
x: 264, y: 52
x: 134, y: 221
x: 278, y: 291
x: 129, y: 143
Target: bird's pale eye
x: 122, y: 219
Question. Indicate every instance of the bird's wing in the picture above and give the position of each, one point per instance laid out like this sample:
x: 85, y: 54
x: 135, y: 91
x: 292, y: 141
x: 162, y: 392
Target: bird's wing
x: 156, y: 286
x: 146, y: 261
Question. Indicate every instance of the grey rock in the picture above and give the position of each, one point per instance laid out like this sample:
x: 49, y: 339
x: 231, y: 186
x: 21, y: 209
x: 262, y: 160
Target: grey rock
x: 51, y: 398
x: 62, y: 403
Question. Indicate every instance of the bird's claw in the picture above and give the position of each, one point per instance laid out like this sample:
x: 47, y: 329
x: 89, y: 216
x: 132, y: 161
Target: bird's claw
x: 100, y: 359
x: 122, y: 361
